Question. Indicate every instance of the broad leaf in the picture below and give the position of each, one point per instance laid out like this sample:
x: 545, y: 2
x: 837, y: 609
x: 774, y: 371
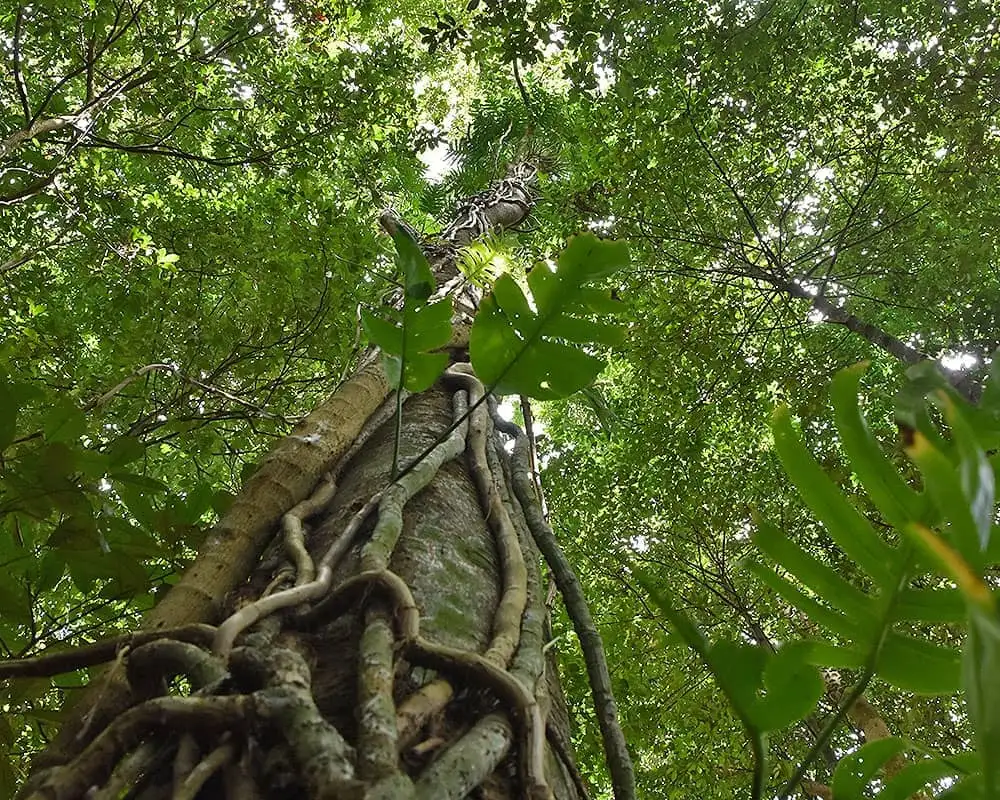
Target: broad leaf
x: 856, y: 770
x: 891, y: 495
x: 982, y: 691
x: 542, y: 347
x: 408, y: 338
x: 846, y: 526
x: 919, y: 774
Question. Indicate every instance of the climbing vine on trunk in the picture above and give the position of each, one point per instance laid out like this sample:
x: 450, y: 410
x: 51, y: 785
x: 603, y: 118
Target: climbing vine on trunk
x: 439, y: 707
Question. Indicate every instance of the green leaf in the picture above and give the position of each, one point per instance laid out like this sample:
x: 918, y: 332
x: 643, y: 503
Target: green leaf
x: 793, y: 687
x: 918, y: 665
x: 975, y: 472
x: 769, y: 690
x: 823, y: 580
x: 407, y: 340
x: 820, y: 614
x: 405, y: 347
x: 139, y: 481
x: 538, y: 348
x: 892, y: 496
x: 15, y: 602
x: 13, y: 397
x: 981, y: 677
x: 846, y: 526
x: 124, y: 450
x: 930, y: 605
x: 944, y: 485
x: 8, y: 782
x: 919, y: 774
x: 75, y: 533
x: 990, y: 401
x: 64, y: 422
x: 418, y: 279
x: 856, y: 770
x: 50, y: 570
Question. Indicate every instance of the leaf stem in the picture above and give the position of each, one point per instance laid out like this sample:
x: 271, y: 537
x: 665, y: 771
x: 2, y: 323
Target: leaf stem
x: 398, y: 434
x: 871, y: 666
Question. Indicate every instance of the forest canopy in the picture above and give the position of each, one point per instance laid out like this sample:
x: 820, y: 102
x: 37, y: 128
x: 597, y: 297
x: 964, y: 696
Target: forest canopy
x: 778, y: 492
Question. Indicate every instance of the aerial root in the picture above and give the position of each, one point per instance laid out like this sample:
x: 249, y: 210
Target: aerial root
x: 277, y: 681
x: 615, y: 747
x: 89, y: 655
x: 205, y: 769
x: 93, y: 765
x: 150, y: 667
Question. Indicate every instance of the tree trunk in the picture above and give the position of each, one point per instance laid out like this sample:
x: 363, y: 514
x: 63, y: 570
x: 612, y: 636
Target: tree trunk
x: 394, y: 650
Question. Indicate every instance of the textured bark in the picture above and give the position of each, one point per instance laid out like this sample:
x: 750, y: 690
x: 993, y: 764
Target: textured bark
x: 286, y: 477
x: 447, y: 555
x: 418, y: 607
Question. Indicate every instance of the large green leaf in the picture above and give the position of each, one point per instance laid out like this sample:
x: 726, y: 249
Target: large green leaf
x: 925, y: 772
x: 846, y: 526
x: 894, y: 498
x: 853, y: 778
x: 856, y: 770
x: 542, y: 347
x: 408, y: 338
x: 982, y: 691
x: 824, y: 581
x: 770, y: 690
x: 946, y: 486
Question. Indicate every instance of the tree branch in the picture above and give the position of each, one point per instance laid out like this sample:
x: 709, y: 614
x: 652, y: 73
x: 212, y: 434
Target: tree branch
x: 22, y: 91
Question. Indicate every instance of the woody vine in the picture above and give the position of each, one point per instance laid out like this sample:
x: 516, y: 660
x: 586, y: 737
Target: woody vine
x: 246, y: 679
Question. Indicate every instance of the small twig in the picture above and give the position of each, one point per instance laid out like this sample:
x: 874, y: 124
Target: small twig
x: 172, y: 369
x: 22, y: 91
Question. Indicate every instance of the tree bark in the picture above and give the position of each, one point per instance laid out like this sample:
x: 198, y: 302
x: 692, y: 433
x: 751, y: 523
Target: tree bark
x: 395, y: 649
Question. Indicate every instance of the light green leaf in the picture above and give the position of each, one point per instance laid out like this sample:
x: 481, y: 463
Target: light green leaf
x: 919, y: 665
x: 537, y: 348
x: 919, y: 774
x: 930, y: 605
x: 820, y: 578
x: 407, y: 338
x: 892, y: 496
x: 856, y: 770
x: 944, y: 485
x: 975, y: 472
x: 851, y: 531
x: 418, y: 280
x: 820, y: 614
x: 981, y: 677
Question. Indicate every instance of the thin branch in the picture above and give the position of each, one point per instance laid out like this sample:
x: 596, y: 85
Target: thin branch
x: 173, y: 370
x: 615, y: 746
x: 22, y: 90
x: 528, y: 104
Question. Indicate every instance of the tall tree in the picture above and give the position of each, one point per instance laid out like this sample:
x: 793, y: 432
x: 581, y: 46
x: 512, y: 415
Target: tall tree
x: 424, y: 590
x: 190, y: 264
